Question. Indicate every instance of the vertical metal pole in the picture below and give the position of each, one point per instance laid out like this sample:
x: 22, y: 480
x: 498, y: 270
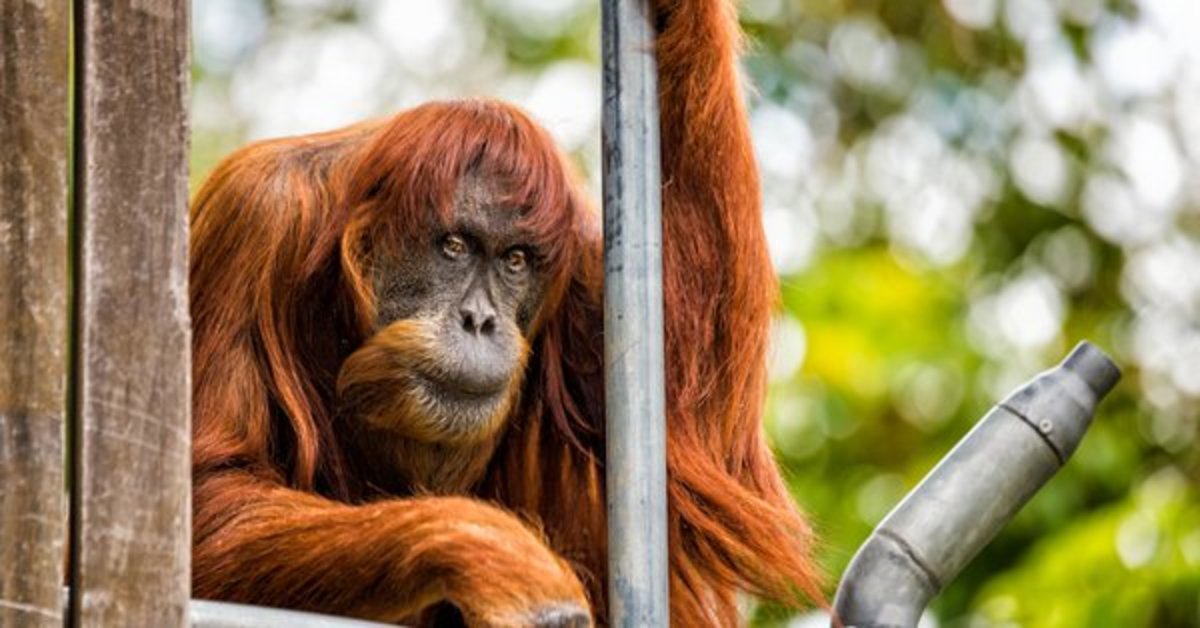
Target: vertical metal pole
x: 633, y: 321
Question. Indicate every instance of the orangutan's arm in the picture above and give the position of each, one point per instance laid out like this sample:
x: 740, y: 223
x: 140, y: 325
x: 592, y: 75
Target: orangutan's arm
x: 735, y: 526
x: 260, y: 543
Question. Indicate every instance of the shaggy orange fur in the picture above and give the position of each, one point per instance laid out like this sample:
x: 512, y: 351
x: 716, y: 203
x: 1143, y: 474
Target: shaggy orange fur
x: 285, y: 235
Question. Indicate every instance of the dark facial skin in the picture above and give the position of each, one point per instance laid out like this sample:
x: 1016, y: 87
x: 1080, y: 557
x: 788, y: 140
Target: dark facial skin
x: 474, y: 287
x: 478, y: 278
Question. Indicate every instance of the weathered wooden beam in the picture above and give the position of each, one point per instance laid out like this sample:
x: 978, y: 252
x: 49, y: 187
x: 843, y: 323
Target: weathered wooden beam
x: 34, y: 55
x: 131, y: 500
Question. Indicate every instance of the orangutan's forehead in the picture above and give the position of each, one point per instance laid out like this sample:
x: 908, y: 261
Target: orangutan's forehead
x: 486, y: 199
x: 486, y: 204
x: 482, y: 191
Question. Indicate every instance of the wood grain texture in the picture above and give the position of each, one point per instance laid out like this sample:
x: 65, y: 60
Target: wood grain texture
x: 131, y: 499
x: 33, y: 309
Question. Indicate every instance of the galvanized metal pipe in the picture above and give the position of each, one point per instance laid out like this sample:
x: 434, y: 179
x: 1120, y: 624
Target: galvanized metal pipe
x: 633, y: 320
x: 977, y: 488
x: 213, y: 614
x: 209, y: 614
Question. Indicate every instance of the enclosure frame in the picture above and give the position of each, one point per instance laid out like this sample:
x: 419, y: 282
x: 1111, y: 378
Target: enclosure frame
x: 95, y: 385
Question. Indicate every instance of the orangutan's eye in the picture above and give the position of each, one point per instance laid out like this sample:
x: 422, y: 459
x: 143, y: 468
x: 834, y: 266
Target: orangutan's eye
x: 454, y: 246
x: 516, y: 261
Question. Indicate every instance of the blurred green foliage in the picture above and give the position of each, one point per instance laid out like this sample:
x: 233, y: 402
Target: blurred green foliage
x: 898, y: 334
x: 1113, y: 540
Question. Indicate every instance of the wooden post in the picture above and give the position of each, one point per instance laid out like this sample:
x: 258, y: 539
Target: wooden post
x: 131, y: 501
x: 33, y: 309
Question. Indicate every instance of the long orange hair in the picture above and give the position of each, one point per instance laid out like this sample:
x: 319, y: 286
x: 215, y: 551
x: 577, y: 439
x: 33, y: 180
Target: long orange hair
x: 284, y: 233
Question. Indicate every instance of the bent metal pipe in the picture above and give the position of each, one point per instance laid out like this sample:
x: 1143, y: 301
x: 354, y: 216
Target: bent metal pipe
x: 958, y: 508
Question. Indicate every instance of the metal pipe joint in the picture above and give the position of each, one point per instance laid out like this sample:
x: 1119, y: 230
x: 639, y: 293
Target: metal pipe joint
x: 958, y: 508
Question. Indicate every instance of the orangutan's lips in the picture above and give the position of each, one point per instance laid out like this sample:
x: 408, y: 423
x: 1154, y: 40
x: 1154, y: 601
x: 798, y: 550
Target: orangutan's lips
x: 449, y: 390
